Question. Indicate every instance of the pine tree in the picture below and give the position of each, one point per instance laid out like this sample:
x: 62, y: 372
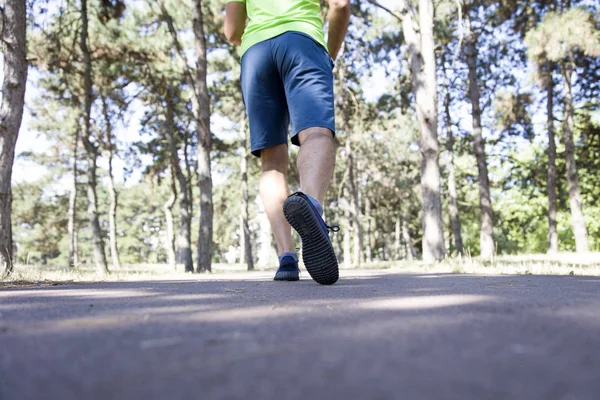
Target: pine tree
x: 205, y: 236
x: 560, y: 37
x: 420, y: 42
x: 14, y: 49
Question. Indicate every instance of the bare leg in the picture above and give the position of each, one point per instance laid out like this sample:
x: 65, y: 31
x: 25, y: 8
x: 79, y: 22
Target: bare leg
x: 274, y: 191
x: 316, y: 161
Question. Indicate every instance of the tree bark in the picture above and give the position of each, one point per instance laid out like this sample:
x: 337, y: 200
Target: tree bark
x: 421, y: 48
x: 90, y: 148
x: 204, y: 144
x: 112, y: 192
x: 185, y: 223
x: 185, y: 216
x: 73, y: 260
x: 244, y: 171
x: 189, y: 178
x: 577, y: 217
x: 242, y: 258
x: 14, y: 48
x: 368, y: 252
x: 486, y: 234
x: 347, y: 229
x: 175, y: 175
x: 388, y: 239
x: 356, y: 222
x: 452, y: 200
x: 552, y: 208
x: 185, y: 181
x: 397, y: 240
x: 411, y: 252
x: 188, y: 260
x: 168, y: 209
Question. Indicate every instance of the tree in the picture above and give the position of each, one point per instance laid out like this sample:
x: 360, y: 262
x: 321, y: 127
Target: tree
x: 73, y: 258
x: 420, y: 47
x: 552, y: 208
x: 112, y: 191
x: 185, y: 203
x: 246, y: 245
x: 202, y: 114
x: 485, y: 199
x: 452, y: 196
x: 559, y: 38
x: 90, y: 147
x: 349, y: 109
x: 14, y: 49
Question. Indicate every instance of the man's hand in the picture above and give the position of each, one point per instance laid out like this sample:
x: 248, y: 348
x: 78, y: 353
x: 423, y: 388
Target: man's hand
x: 339, y: 18
x: 235, y: 22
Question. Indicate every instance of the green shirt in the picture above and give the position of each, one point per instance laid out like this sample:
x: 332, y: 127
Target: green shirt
x: 270, y: 18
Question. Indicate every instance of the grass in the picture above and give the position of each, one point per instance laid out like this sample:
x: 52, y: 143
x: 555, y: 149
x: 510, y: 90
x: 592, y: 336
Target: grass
x: 536, y: 264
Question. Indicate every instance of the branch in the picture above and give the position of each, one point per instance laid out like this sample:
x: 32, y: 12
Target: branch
x: 392, y: 13
x: 2, y: 18
x: 171, y: 25
x: 461, y: 33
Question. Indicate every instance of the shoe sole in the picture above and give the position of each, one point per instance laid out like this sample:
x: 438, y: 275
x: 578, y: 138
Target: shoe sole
x: 286, y: 276
x: 317, y: 251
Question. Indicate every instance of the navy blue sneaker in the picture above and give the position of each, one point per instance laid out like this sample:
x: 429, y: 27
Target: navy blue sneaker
x: 317, y: 251
x: 288, y: 270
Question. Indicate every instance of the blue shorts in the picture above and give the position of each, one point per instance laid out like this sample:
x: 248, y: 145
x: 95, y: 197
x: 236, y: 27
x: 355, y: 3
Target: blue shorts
x: 286, y: 78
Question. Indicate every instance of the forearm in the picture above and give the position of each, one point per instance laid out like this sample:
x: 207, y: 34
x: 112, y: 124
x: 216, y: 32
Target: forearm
x: 233, y: 36
x: 339, y: 18
x: 235, y: 22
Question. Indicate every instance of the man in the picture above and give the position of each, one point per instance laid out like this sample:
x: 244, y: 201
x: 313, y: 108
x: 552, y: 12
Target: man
x: 287, y: 77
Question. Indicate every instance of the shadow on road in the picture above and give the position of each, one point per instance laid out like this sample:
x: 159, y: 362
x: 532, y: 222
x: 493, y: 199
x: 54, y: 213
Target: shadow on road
x: 476, y: 336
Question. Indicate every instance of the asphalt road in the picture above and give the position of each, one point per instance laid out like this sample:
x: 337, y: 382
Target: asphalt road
x: 242, y: 336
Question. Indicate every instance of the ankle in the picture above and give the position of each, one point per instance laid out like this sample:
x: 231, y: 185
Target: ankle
x: 316, y: 204
x: 292, y: 254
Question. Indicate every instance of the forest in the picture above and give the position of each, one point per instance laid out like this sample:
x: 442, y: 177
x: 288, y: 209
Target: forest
x: 464, y: 129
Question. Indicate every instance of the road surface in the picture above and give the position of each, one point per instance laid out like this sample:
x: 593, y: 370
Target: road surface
x: 374, y: 335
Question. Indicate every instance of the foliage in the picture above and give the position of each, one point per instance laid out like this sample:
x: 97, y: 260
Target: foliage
x: 142, y: 75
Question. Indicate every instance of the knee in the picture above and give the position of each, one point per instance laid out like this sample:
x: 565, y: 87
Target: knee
x: 274, y: 159
x: 315, y: 134
x: 274, y: 166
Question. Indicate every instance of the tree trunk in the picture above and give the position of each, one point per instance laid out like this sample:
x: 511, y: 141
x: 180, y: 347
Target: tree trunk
x: 91, y: 150
x: 168, y: 208
x: 452, y: 201
x: 14, y: 48
x: 175, y: 172
x: 356, y: 222
x: 244, y: 170
x: 185, y: 223
x: 388, y: 239
x: 411, y: 252
x: 185, y: 217
x: 486, y: 235
x: 577, y: 218
x: 72, y: 213
x: 188, y: 260
x: 242, y: 258
x: 368, y: 252
x: 552, y: 208
x: 421, y: 48
x: 204, y: 144
x: 347, y: 229
x: 397, y: 240
x: 112, y: 192
x: 189, y: 178
x: 185, y: 180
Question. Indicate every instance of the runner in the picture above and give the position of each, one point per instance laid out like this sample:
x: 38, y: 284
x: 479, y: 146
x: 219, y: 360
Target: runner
x: 287, y: 78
